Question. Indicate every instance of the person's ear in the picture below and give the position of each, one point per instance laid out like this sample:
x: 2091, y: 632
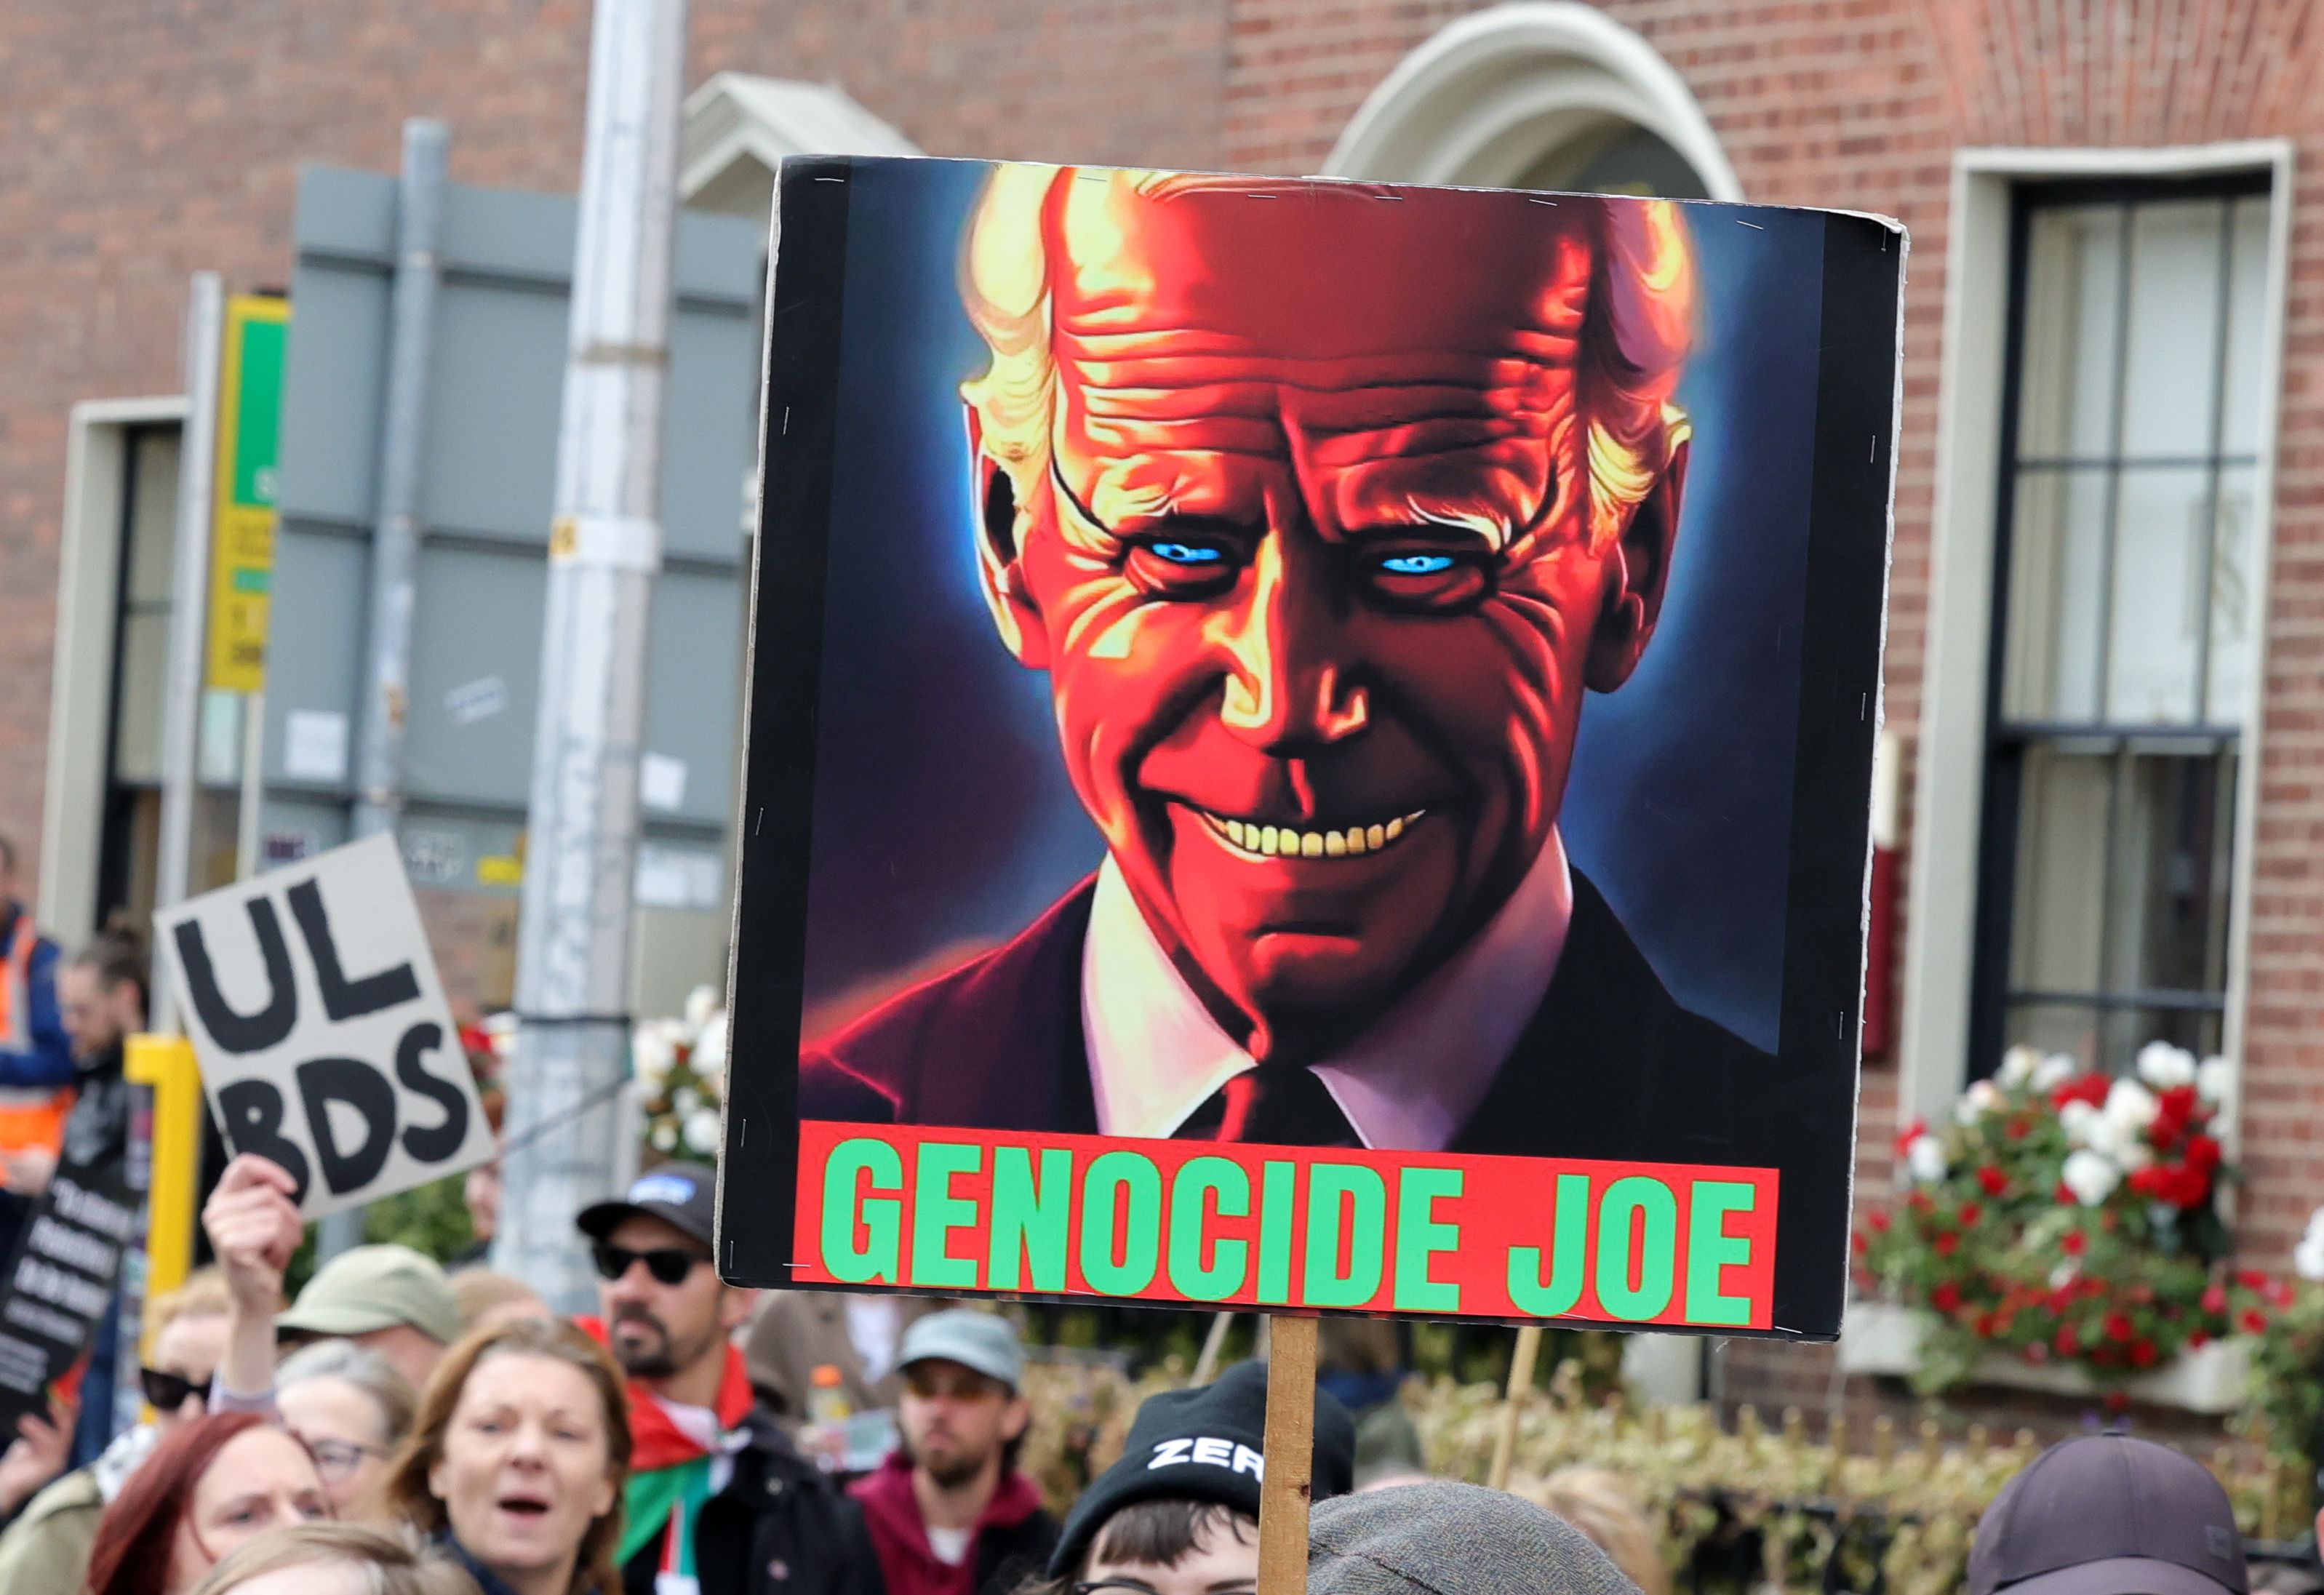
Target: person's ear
x: 436, y: 1478
x: 1000, y: 526
x: 1637, y: 573
x: 734, y: 1308
x: 1017, y: 1419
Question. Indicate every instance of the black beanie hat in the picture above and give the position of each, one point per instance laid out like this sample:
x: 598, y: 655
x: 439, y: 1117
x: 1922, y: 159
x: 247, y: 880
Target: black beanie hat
x: 1204, y: 1445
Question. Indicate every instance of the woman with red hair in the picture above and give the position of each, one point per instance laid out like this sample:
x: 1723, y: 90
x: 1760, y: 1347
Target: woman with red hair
x: 214, y: 1484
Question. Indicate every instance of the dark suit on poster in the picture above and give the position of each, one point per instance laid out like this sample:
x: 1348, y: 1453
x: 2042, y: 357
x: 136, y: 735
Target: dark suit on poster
x: 1611, y: 1067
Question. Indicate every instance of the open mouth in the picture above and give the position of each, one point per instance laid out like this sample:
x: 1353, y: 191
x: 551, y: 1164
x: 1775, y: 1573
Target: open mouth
x: 523, y: 1505
x: 1255, y: 840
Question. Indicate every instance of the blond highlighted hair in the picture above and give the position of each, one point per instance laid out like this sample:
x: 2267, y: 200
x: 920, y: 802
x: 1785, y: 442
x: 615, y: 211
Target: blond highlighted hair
x: 1634, y: 338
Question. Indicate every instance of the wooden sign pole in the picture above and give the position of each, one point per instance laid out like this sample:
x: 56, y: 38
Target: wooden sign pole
x: 1290, y: 1448
x: 1521, y: 1361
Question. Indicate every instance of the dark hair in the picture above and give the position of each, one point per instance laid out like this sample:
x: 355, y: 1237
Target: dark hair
x: 115, y: 954
x: 1163, y: 1531
x: 131, y: 1553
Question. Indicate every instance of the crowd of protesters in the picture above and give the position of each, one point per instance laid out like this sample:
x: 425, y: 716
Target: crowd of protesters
x: 397, y: 1431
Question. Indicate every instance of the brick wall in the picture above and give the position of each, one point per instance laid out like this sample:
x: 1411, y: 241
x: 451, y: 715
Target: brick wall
x: 146, y: 142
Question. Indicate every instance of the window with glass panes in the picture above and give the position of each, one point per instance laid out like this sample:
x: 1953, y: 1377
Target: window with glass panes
x: 2122, y: 676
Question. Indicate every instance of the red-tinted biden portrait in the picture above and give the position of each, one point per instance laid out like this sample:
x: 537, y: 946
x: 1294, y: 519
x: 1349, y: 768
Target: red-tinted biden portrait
x: 1324, y: 508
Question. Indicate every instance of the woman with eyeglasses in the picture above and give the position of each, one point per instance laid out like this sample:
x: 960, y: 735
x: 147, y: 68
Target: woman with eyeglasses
x: 1178, y: 1514
x: 350, y: 1409
x: 516, y: 1462
x: 212, y: 1485
x: 47, y: 1548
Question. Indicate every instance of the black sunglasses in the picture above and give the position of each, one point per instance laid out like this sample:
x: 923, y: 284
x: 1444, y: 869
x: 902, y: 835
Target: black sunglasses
x: 668, y: 1264
x: 166, y: 1391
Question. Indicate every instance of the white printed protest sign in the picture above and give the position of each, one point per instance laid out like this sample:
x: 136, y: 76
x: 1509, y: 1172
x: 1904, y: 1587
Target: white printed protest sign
x: 325, y: 1043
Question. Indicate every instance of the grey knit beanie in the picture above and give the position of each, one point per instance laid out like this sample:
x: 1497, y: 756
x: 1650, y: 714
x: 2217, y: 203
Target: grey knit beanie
x: 1451, y: 1539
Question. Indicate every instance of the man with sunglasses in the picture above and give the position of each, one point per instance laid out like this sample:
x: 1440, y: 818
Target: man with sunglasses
x: 717, y: 1498
x: 949, y: 1513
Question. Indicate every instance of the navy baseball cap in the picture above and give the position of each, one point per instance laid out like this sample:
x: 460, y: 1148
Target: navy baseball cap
x: 2107, y: 1515
x: 683, y: 1196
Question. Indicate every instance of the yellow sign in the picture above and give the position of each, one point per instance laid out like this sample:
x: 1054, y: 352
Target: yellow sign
x: 166, y: 1063
x: 242, y: 549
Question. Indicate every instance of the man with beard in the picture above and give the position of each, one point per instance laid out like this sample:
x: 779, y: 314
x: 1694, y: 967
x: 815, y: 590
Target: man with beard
x: 949, y: 1513
x: 717, y: 1499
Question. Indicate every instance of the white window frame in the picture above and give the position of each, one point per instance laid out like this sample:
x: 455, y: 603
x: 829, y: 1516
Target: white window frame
x: 81, y: 684
x: 1485, y: 98
x: 1940, y: 946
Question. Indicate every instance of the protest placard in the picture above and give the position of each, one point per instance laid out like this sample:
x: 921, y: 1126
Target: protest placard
x: 313, y: 1005
x: 1310, y: 746
x: 66, y: 1263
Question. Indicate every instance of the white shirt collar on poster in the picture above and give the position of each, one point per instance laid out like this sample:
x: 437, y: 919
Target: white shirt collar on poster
x: 1409, y: 1083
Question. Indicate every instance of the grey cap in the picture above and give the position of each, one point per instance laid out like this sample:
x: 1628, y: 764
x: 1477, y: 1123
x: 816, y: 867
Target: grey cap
x: 1451, y: 1539
x: 984, y: 1342
x: 2106, y: 1514
x: 368, y: 1289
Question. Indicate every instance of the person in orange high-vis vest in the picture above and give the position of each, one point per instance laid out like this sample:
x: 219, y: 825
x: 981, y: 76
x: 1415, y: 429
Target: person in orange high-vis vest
x: 36, y: 1062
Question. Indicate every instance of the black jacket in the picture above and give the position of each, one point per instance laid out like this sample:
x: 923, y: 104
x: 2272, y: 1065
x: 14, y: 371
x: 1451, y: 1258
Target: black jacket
x: 1608, y: 1066
x: 779, y: 1527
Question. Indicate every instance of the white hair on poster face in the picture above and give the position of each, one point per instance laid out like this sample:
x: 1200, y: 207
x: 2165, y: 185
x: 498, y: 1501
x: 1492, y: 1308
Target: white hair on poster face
x: 1636, y: 336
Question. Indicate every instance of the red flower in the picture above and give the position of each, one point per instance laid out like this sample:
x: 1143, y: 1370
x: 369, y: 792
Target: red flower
x: 1946, y: 1296
x: 1993, y: 1181
x: 2254, y: 1320
x: 2018, y: 1129
x: 2090, y: 1088
x: 1969, y: 1213
x: 2074, y: 1243
x: 2196, y: 1340
x: 1860, y: 1242
x: 2251, y: 1279
x: 2280, y: 1293
x: 1946, y: 1243
x: 2215, y: 1298
x: 2104, y: 1357
x: 2142, y: 1352
x: 2202, y: 1152
x: 2067, y: 1343
x: 2066, y: 1198
x: 1909, y: 1134
x: 2173, y: 1110
x: 2037, y: 1353
x: 2117, y: 1327
x: 2115, y: 1401
x: 1918, y: 1202
x: 1879, y: 1222
x: 1984, y: 1326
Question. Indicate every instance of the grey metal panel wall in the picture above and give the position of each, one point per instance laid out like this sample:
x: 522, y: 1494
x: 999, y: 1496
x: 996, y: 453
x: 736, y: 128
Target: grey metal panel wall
x: 487, y: 466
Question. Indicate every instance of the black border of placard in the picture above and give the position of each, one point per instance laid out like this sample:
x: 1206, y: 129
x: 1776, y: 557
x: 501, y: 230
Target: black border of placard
x: 1838, y: 718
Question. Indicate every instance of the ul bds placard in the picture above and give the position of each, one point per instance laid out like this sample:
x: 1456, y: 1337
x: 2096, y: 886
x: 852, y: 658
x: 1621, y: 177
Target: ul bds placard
x: 314, y: 1008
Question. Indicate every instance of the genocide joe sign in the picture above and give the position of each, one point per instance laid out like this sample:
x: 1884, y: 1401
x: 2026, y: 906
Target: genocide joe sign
x: 1310, y: 745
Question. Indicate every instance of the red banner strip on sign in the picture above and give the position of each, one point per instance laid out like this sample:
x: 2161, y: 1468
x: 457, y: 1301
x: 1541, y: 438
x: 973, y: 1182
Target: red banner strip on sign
x: 1433, y: 1234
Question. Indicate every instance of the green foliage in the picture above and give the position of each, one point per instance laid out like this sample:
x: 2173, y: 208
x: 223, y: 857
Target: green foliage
x: 431, y: 1219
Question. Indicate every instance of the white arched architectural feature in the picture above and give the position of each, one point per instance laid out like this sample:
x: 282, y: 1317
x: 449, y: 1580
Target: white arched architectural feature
x: 1534, y: 94
x: 737, y: 129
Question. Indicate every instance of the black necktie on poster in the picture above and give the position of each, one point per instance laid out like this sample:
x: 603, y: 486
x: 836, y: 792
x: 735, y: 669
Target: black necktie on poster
x: 1281, y: 1107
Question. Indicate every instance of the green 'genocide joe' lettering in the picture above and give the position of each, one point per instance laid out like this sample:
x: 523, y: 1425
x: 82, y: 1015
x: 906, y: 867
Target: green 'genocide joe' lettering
x: 1129, y: 1236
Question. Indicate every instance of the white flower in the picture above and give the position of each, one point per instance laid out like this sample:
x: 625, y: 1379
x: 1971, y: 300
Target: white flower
x: 2163, y: 1065
x: 2125, y: 1149
x: 710, y: 1050
x: 2308, y: 1257
x: 2064, y: 1275
x: 2090, y: 1177
x: 1924, y: 1159
x: 2215, y: 1081
x: 702, y: 1131
x: 684, y: 1101
x: 1982, y: 1098
x: 2130, y: 1106
x: 2079, y: 1119
x: 665, y: 1137
x: 2017, y: 1066
x: 700, y: 1004
x: 653, y: 1051
x: 2053, y: 1072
